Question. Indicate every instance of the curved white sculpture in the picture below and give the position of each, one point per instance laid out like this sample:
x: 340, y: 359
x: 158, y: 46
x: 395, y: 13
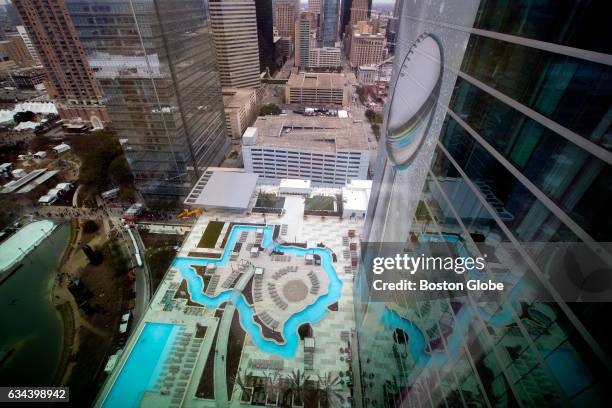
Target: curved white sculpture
x: 413, y: 100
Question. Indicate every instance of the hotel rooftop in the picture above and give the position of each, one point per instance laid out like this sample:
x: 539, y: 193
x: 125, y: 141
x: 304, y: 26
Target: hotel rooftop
x: 255, y: 294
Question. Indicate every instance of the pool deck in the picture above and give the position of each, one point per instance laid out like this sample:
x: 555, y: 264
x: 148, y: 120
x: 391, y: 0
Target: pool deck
x: 331, y: 333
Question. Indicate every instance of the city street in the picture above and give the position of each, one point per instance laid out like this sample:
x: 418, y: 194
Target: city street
x: 357, y: 112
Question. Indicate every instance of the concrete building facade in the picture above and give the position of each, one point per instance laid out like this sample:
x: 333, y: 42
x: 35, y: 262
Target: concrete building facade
x: 327, y: 151
x: 326, y: 57
x: 360, y: 10
x: 285, y: 47
x: 318, y: 89
x: 314, y: 6
x: 305, y: 30
x: 365, y: 48
x: 284, y: 16
x: 240, y: 111
x: 367, y: 74
x: 234, y: 29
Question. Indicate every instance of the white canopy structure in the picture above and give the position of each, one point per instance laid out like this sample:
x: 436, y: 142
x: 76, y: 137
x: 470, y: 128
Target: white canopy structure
x: 61, y: 148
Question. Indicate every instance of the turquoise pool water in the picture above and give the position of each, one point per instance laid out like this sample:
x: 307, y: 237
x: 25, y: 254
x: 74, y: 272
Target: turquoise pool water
x: 463, y: 318
x: 311, y: 314
x: 569, y: 371
x: 143, y: 366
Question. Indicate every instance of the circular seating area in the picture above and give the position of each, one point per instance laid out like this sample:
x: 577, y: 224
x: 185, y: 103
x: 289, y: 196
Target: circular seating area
x: 295, y: 290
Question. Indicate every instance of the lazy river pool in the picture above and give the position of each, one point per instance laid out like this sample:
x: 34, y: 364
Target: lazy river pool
x: 311, y: 314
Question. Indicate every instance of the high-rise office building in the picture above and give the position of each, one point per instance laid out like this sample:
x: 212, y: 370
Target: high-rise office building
x: 328, y: 21
x: 365, y: 46
x: 392, y: 24
x: 391, y: 34
x: 240, y: 106
x: 9, y: 18
x: 305, y: 29
x: 284, y: 13
x: 496, y: 139
x: 156, y: 66
x: 234, y: 28
x: 314, y: 6
x: 265, y: 35
x: 345, y: 17
x: 360, y: 10
x: 70, y: 80
x: 326, y: 57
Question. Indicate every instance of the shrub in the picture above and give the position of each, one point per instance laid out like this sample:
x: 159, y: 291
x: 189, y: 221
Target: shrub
x: 270, y: 109
x: 90, y: 227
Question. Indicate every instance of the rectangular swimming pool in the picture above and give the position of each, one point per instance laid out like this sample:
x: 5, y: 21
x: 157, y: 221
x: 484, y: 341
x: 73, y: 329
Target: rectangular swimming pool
x: 143, y: 366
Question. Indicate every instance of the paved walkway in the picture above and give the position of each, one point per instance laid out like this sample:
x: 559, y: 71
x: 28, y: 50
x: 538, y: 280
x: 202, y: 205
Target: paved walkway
x: 220, y: 376
x: 143, y: 280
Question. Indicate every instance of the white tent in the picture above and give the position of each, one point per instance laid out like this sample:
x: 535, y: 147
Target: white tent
x: 61, y: 148
x: 47, y: 199
x: 26, y: 126
x: 43, y: 108
x: 63, y: 187
x: 6, y: 116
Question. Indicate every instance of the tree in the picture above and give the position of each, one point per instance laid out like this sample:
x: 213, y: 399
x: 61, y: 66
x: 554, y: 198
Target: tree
x: 26, y: 116
x: 376, y: 130
x: 120, y: 172
x: 90, y: 226
x: 242, y: 382
x: 270, y: 109
x: 39, y: 142
x: 296, y: 382
x: 9, y: 210
x: 369, y: 113
x: 103, y: 162
x: 158, y: 260
x: 374, y: 116
x: 126, y: 194
x: 329, y: 390
x: 118, y: 258
x: 272, y: 386
x: 361, y: 92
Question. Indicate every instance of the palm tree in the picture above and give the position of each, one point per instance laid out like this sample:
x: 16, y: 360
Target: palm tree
x: 297, y: 380
x: 242, y: 381
x: 329, y: 390
x: 272, y: 385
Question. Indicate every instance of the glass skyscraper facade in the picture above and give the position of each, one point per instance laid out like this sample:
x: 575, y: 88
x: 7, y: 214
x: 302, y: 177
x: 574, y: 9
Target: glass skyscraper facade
x: 155, y: 63
x: 516, y: 152
x: 265, y: 40
x: 329, y: 22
